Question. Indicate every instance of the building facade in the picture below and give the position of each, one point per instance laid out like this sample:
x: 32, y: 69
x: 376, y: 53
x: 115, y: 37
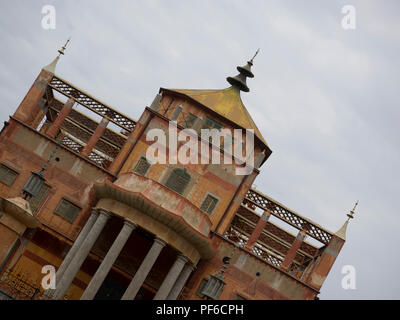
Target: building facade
x: 115, y: 224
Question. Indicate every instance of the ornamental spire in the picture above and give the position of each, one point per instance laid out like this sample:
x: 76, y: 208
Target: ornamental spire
x: 342, y: 231
x: 239, y: 81
x: 52, y: 66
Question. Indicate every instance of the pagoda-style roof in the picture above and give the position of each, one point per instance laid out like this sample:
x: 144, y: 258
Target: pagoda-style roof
x: 225, y: 102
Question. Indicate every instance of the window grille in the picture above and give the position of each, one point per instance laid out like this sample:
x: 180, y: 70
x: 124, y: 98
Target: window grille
x: 142, y: 166
x: 189, y: 121
x: 212, y: 124
x: 178, y: 180
x: 7, y: 176
x: 67, y: 210
x: 209, y: 204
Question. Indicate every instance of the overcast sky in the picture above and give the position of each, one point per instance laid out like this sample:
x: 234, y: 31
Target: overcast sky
x: 326, y: 99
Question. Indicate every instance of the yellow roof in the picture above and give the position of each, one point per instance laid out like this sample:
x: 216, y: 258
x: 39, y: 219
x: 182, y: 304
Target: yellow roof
x: 225, y: 102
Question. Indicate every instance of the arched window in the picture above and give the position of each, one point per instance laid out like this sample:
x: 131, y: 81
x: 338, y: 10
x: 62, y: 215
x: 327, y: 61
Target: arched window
x: 178, y: 180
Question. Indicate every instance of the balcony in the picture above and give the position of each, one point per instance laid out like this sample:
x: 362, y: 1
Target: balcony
x: 162, y: 205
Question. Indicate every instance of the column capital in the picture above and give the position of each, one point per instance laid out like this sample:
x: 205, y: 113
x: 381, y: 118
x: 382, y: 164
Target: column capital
x: 182, y: 257
x: 94, y: 211
x: 106, y: 213
x: 130, y: 224
x: 191, y: 266
x: 160, y: 241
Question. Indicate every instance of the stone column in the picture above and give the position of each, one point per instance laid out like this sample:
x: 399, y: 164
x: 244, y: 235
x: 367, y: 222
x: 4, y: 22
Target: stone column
x: 293, y: 250
x: 65, y: 111
x: 144, y: 269
x: 75, y: 247
x: 81, y: 254
x: 257, y: 230
x: 171, y: 278
x: 95, y: 137
x: 180, y: 282
x: 108, y: 261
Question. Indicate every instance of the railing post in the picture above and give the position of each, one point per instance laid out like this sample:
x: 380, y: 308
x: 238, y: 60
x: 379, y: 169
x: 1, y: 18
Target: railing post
x: 95, y: 137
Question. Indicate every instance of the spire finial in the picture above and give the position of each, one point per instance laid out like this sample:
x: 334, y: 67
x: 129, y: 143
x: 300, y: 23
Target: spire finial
x: 239, y: 81
x: 342, y: 231
x: 351, y: 214
x: 52, y: 66
x: 61, y: 51
x: 258, y: 50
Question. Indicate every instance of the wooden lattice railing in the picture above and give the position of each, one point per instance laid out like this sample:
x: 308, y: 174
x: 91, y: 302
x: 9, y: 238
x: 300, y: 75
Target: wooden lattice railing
x: 295, y: 220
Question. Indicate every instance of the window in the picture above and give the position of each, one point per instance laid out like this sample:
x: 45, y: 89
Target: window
x: 212, y: 124
x: 142, y: 166
x: 67, y: 210
x: 7, y: 176
x: 35, y: 202
x: 189, y: 121
x: 201, y: 287
x: 178, y: 180
x: 209, y: 204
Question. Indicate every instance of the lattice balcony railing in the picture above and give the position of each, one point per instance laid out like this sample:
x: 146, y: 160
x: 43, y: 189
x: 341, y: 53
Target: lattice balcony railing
x: 262, y: 252
x: 269, y: 241
x: 295, y: 220
x: 67, y: 89
x: 71, y: 144
x: 240, y: 239
x: 99, y: 159
x: 89, y: 124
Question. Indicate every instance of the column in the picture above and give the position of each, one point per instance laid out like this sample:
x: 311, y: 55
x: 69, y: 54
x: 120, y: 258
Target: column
x: 81, y: 254
x: 258, y: 230
x: 75, y: 247
x: 95, y: 137
x: 171, y: 278
x: 293, y: 250
x: 144, y: 269
x: 324, y: 264
x: 180, y: 282
x: 65, y: 111
x: 108, y: 261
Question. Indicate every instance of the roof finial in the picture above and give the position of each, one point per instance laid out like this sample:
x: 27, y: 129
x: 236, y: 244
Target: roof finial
x: 251, y: 61
x: 61, y: 51
x: 52, y: 66
x: 351, y: 214
x: 239, y: 81
x: 342, y: 231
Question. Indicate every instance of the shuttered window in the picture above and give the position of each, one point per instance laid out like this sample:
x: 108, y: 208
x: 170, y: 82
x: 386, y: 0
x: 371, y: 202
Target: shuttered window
x: 212, y: 124
x: 35, y: 202
x: 67, y: 210
x: 7, y: 176
x: 178, y: 180
x: 189, y: 121
x: 142, y: 166
x: 209, y: 204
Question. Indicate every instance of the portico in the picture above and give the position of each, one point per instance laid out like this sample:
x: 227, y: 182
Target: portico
x: 133, y: 215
